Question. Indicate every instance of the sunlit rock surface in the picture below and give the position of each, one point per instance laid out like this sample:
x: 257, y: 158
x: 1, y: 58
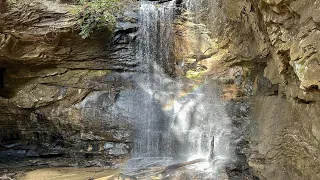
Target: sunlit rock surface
x: 267, y: 51
x: 286, y: 123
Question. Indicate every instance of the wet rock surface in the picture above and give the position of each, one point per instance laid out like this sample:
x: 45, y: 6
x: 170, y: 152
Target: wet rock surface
x: 267, y: 59
x: 56, y: 87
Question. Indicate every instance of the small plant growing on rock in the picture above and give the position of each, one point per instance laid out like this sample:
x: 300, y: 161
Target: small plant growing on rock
x: 96, y: 14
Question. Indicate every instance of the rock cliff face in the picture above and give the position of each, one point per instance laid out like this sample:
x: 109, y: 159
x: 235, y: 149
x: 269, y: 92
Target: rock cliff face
x: 55, y: 86
x: 266, y: 55
x: 287, y: 129
x: 58, y: 91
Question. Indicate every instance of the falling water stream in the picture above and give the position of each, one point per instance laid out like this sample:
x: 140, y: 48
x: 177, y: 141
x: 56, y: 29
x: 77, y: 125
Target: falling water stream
x: 177, y: 120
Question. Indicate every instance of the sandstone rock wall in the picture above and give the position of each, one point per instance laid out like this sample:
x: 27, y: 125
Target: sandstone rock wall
x: 56, y: 87
x: 266, y: 54
x: 287, y: 125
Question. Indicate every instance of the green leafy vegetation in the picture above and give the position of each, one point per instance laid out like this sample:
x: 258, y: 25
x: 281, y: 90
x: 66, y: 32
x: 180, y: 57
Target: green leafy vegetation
x: 191, y: 74
x: 95, y: 15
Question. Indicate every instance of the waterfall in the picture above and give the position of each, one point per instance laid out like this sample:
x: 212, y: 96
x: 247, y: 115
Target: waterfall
x: 219, y: 124
x: 175, y: 119
x: 153, y: 140
x: 154, y: 49
x: 155, y: 42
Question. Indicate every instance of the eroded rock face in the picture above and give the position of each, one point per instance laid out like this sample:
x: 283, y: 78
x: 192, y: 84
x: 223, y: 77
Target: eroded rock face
x: 45, y: 33
x: 56, y: 87
x: 289, y: 142
x: 266, y: 51
x: 293, y: 31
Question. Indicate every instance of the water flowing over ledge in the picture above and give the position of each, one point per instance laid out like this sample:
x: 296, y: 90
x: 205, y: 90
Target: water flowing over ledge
x: 178, y: 120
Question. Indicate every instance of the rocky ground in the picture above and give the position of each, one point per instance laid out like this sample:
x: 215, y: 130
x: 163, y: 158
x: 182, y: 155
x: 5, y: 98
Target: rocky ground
x: 62, y: 174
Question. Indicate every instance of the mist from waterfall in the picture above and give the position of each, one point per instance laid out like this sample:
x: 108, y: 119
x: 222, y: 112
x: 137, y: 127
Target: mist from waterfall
x: 176, y: 119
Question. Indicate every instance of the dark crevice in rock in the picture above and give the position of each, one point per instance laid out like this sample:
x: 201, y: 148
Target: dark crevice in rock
x: 2, y: 72
x: 314, y: 88
x: 5, y: 92
x: 274, y: 93
x: 303, y: 101
x: 200, y: 57
x: 250, y: 64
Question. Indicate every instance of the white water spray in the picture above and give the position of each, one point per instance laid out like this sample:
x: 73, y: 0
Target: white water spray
x: 176, y: 120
